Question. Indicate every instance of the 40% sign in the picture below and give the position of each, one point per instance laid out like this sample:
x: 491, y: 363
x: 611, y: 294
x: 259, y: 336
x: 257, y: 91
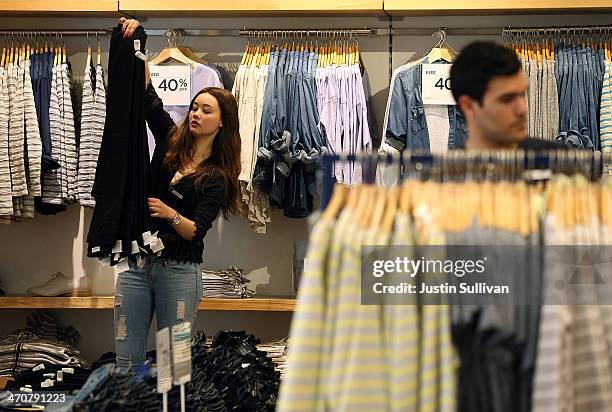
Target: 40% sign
x: 172, y: 83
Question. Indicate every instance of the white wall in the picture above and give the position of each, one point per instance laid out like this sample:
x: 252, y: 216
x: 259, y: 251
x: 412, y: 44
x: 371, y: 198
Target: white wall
x: 31, y: 251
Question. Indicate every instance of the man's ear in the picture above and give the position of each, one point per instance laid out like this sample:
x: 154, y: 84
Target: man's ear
x: 466, y: 104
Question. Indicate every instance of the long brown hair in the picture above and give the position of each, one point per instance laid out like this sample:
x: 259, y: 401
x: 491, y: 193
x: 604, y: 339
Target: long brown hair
x: 225, y: 157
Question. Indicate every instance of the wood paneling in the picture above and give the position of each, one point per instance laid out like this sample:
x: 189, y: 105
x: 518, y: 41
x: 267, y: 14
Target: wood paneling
x: 58, y: 6
x: 419, y: 7
x: 251, y: 7
x: 106, y: 302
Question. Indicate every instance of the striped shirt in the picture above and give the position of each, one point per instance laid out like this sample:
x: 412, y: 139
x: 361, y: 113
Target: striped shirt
x: 16, y: 132
x: 573, y: 366
x: 6, y: 196
x: 93, y: 115
x: 33, y: 142
x: 298, y: 391
x: 52, y: 179
x: 69, y: 179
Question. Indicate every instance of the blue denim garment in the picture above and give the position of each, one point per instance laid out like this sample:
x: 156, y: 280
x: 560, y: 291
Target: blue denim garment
x: 97, y: 378
x: 407, y: 124
x: 170, y: 289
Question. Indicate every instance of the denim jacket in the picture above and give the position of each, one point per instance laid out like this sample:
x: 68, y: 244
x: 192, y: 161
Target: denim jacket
x: 407, y: 123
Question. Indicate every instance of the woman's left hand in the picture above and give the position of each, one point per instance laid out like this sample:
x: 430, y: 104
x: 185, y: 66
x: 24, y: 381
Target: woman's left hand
x: 160, y: 209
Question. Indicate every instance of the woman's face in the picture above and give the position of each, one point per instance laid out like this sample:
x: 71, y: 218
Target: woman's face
x: 205, y: 116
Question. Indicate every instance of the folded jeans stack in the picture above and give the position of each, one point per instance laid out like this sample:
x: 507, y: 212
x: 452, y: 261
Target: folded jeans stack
x: 228, y: 283
x: 244, y: 376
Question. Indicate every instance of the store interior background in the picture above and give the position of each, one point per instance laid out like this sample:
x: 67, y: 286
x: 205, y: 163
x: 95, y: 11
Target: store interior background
x: 31, y: 251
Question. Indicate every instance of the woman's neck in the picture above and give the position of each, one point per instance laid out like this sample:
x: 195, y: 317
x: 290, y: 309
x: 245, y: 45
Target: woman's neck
x: 202, y: 150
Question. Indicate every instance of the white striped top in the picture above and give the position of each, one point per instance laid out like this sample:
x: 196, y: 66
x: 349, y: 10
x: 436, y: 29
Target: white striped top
x: 6, y: 195
x: 52, y: 179
x: 93, y: 114
x: 16, y: 132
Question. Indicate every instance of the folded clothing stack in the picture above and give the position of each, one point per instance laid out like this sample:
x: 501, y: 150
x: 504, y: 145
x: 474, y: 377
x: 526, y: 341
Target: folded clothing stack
x: 50, y: 378
x: 22, y: 351
x: 276, y: 351
x: 228, y: 283
x: 243, y: 376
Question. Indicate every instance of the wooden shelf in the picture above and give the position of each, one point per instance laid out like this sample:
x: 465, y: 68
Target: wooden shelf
x: 106, y: 302
x: 157, y: 7
x: 491, y: 7
x: 59, y: 6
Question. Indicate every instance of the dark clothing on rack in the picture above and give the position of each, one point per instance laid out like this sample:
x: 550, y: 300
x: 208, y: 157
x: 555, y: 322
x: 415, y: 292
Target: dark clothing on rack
x: 536, y: 144
x: 122, y: 175
x: 40, y: 72
x: 201, y: 204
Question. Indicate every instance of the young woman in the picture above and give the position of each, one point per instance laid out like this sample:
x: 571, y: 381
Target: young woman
x: 194, y: 177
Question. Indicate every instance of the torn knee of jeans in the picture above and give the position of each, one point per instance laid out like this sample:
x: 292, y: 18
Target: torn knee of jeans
x: 121, y: 334
x: 180, y: 310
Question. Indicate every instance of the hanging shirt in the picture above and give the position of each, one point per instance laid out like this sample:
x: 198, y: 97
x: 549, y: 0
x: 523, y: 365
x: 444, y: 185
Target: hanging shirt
x: 202, y: 76
x: 6, y: 196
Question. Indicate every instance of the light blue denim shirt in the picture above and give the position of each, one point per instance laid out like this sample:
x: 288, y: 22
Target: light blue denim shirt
x: 407, y: 124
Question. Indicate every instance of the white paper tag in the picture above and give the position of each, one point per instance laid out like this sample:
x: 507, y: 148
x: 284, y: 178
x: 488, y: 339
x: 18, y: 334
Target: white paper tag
x: 172, y: 84
x: 246, y: 365
x: 436, y: 85
x: 38, y: 367
x: 49, y: 375
x: 118, y: 246
x: 60, y: 376
x: 140, y: 262
x: 537, y: 174
x: 95, y: 249
x: 135, y: 248
x: 164, y: 361
x: 123, y: 266
x: 68, y: 370
x: 26, y: 390
x: 181, y: 353
x: 146, y: 238
x: 157, y: 246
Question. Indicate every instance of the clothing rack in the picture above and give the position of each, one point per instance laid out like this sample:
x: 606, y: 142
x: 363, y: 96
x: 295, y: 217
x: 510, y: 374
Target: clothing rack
x: 607, y: 29
x: 587, y: 162
x: 254, y: 32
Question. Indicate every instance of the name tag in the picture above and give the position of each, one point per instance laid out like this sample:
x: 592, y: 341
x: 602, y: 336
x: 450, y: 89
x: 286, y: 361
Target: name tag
x: 175, y: 193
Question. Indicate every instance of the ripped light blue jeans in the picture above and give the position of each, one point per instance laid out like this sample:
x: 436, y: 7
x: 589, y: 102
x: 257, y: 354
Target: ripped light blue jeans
x: 168, y: 288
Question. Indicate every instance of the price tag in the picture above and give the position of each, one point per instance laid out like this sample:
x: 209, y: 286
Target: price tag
x: 172, y: 84
x: 181, y: 352
x: 436, y: 85
x: 164, y: 361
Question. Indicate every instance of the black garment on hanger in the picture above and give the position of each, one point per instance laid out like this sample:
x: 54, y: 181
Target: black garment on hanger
x: 122, y: 176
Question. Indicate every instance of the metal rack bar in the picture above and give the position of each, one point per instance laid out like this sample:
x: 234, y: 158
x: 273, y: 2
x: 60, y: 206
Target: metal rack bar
x: 558, y: 29
x: 78, y: 32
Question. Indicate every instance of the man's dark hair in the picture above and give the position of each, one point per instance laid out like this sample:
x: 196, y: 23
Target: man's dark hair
x: 477, y: 64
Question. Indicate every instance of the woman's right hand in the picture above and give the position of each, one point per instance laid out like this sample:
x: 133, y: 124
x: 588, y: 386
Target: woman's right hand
x: 129, y: 26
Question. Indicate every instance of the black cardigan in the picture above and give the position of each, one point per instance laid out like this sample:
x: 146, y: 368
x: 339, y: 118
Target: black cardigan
x: 200, y: 204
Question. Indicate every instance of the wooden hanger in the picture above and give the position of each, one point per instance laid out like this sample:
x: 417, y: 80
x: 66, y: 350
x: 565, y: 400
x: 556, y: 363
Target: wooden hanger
x: 364, y: 206
x: 378, y: 209
x: 393, y: 196
x: 337, y: 201
x: 180, y: 54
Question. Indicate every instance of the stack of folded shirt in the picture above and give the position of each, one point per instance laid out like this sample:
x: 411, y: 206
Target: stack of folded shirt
x: 50, y: 378
x: 228, y: 283
x: 24, y: 350
x: 277, y: 352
